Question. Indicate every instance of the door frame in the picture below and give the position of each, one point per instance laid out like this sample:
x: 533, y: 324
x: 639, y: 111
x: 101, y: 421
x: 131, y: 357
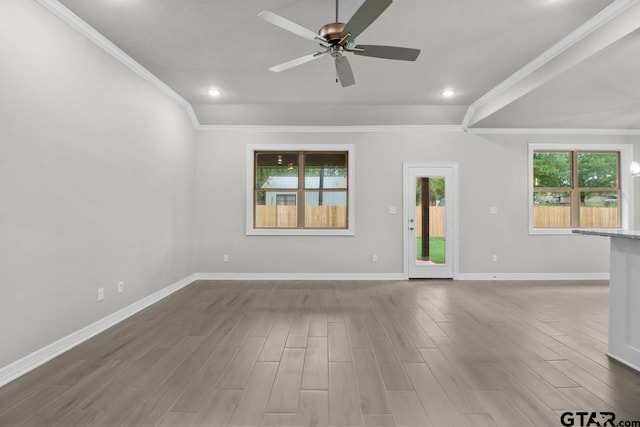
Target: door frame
x: 408, y: 202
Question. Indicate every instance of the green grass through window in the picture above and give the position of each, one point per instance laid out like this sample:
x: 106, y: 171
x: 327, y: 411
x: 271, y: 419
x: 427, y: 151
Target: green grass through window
x: 436, y: 249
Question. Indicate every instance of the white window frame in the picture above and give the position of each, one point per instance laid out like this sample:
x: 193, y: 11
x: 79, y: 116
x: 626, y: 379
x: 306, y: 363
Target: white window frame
x: 626, y: 181
x: 351, y: 192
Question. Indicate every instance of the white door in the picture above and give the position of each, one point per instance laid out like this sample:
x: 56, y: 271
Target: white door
x: 429, y: 209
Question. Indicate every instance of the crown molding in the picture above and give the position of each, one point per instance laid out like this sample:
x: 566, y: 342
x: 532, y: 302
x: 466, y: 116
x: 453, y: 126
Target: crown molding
x: 605, y: 16
x: 101, y: 41
x: 552, y: 131
x: 332, y: 129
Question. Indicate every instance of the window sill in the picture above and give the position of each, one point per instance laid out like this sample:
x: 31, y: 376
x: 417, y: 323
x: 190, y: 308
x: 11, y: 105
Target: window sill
x: 300, y: 232
x: 560, y: 231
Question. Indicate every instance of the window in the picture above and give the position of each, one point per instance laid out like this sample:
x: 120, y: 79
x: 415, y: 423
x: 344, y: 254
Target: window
x: 577, y: 187
x: 300, y: 190
x: 285, y: 200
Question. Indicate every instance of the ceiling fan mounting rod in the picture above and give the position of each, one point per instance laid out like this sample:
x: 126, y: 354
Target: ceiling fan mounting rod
x: 337, y: 10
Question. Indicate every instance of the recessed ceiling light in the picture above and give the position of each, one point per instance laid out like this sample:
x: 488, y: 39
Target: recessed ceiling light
x: 214, y: 91
x: 448, y: 92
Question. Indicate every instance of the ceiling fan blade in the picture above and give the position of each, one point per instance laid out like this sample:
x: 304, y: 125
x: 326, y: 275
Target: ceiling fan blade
x: 364, y: 16
x: 296, y: 62
x: 345, y: 73
x: 292, y: 27
x: 387, y: 52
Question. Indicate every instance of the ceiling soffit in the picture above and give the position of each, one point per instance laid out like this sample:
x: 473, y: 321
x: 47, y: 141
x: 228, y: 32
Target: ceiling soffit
x: 608, y: 26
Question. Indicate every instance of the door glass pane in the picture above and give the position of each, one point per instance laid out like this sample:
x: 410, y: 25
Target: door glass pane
x: 599, y: 210
x: 325, y: 209
x: 430, y: 221
x: 276, y: 209
x: 551, y: 210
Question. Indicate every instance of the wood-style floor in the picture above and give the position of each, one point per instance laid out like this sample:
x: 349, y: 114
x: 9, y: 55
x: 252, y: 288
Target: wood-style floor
x: 416, y: 353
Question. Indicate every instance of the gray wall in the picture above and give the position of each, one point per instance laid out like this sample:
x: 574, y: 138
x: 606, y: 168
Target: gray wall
x: 96, y: 182
x: 493, y: 172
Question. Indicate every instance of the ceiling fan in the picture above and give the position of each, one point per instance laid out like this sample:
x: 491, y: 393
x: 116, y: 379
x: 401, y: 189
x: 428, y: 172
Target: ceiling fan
x: 337, y: 39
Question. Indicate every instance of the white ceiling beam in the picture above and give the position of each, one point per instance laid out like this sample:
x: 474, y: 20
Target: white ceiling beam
x: 616, y: 21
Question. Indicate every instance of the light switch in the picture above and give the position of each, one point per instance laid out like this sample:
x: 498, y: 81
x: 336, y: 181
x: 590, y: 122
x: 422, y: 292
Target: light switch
x: 493, y: 210
x: 393, y: 210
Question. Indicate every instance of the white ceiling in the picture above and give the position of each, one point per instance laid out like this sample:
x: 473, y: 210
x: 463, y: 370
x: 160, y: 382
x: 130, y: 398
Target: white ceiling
x: 470, y: 45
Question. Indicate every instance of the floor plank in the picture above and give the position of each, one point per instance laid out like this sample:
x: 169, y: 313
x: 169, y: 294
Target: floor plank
x: 439, y: 408
x: 286, y: 387
x: 339, y: 348
x: 251, y: 406
x: 390, y: 367
x: 501, y: 409
x: 239, y: 369
x: 373, y: 396
x: 408, y: 410
x: 344, y: 404
x: 315, y: 374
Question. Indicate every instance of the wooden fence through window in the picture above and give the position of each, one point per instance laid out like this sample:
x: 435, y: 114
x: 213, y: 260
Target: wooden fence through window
x: 287, y: 217
x: 336, y: 217
x: 560, y: 217
x: 436, y: 221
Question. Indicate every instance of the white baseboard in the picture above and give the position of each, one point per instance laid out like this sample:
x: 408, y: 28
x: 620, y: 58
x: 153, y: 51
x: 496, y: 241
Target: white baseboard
x: 532, y: 276
x: 300, y: 276
x: 20, y: 367
x: 624, y: 362
x: 39, y: 357
x: 398, y: 276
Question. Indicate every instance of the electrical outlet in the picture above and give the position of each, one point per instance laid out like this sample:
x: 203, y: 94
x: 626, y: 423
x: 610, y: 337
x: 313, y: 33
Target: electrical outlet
x: 374, y: 258
x: 393, y: 210
x: 225, y: 258
x: 100, y: 294
x: 494, y: 258
x: 493, y: 210
x: 120, y: 287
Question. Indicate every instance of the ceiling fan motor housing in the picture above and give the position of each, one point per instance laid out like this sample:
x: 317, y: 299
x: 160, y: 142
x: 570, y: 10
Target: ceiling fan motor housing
x: 332, y: 33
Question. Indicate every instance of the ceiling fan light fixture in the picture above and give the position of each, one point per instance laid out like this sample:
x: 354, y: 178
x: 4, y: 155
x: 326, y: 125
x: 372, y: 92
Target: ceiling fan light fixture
x: 448, y: 92
x: 214, y: 91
